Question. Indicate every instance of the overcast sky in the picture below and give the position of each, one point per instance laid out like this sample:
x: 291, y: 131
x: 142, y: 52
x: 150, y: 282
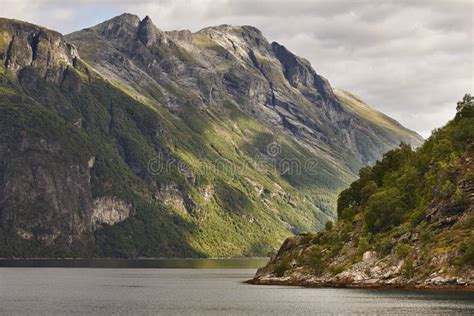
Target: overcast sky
x: 412, y: 60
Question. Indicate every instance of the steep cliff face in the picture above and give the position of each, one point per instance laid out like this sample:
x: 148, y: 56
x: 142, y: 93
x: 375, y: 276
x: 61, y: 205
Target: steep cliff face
x: 23, y: 44
x: 45, y: 192
x: 150, y: 143
x: 45, y: 187
x: 407, y: 222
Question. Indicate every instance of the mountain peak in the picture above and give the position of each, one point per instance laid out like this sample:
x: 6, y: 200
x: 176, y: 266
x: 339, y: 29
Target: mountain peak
x: 148, y: 33
x: 129, y: 26
x: 238, y: 30
x: 127, y: 18
x: 124, y: 25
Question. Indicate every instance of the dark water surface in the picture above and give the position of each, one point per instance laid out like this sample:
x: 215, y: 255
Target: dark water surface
x: 213, y: 290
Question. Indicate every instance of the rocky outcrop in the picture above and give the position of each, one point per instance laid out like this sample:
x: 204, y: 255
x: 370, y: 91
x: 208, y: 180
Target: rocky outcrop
x: 299, y: 72
x: 149, y: 34
x: 374, y: 270
x: 23, y: 44
x: 110, y: 211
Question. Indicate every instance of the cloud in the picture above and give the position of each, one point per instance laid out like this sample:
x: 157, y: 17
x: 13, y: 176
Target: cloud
x: 410, y: 59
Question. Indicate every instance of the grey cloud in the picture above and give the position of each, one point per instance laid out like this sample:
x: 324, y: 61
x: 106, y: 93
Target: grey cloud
x: 411, y: 59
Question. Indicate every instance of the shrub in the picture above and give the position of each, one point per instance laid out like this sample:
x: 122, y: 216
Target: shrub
x: 425, y: 235
x: 447, y: 189
x: 403, y: 250
x: 328, y: 226
x: 383, y: 247
x: 283, y: 267
x: 460, y: 197
x: 337, y: 269
x: 362, y: 245
x: 408, y: 267
x: 315, y: 260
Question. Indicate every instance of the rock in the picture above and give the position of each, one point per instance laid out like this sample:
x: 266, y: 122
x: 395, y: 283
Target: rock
x: 369, y: 256
x: 24, y: 44
x: 110, y: 211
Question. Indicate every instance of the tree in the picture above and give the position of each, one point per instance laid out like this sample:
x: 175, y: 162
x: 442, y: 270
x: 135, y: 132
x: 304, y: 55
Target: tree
x: 384, y: 210
x: 466, y: 105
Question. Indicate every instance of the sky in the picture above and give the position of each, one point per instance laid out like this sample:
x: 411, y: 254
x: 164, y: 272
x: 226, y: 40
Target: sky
x: 412, y: 60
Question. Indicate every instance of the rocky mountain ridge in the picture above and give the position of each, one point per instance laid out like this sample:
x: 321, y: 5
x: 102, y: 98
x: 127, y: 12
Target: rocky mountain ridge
x: 282, y: 90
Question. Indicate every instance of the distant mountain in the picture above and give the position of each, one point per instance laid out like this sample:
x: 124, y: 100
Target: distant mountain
x: 124, y: 140
x: 385, y: 133
x: 407, y: 222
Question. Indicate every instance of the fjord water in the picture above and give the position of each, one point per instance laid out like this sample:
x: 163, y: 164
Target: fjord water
x: 216, y: 289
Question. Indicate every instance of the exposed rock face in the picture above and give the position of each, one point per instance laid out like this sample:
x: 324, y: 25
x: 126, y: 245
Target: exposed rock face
x: 46, y: 194
x: 23, y: 44
x: 299, y: 72
x: 370, y: 272
x: 123, y: 26
x: 110, y: 211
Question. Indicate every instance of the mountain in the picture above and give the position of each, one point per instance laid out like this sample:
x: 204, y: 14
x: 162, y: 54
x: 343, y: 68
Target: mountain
x: 408, y: 221
x: 124, y: 140
x: 385, y: 133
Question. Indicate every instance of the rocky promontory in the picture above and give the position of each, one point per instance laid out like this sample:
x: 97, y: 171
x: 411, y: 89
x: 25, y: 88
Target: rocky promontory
x: 371, y: 272
x: 406, y: 223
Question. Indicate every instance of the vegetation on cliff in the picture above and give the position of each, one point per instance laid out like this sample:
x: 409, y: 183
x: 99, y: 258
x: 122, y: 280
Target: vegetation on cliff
x: 409, y: 219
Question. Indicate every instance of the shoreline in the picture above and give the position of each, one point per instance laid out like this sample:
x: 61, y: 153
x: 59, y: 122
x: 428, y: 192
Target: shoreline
x: 375, y: 285
x: 138, y: 258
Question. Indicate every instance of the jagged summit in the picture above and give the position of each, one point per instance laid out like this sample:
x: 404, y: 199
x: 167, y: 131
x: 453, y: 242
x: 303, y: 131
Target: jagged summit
x: 128, y: 24
x: 124, y: 25
x: 125, y: 18
x: 149, y: 34
x: 285, y: 92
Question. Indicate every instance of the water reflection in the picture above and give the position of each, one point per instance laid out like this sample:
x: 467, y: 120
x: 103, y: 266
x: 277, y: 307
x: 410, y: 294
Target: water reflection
x: 243, y: 263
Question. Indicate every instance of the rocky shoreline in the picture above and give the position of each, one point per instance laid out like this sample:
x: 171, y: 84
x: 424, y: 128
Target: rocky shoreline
x: 441, y: 284
x: 371, y: 272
